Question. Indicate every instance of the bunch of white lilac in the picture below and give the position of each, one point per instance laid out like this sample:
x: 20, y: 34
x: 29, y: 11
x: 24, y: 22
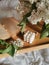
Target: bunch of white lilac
x: 42, y: 11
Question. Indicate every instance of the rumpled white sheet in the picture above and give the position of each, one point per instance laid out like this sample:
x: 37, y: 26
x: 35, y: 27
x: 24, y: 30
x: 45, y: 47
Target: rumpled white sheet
x: 40, y: 57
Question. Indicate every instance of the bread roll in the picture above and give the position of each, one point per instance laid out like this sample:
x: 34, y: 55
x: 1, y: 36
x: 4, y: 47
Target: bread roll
x: 4, y: 33
x: 10, y: 25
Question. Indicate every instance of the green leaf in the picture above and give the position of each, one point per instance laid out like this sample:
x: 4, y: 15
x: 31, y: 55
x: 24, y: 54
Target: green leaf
x: 23, y: 27
x: 45, y: 33
x: 1, y: 51
x: 16, y: 47
x: 10, y: 50
x: 7, y: 49
x: 47, y: 26
x: 2, y: 42
x: 23, y: 24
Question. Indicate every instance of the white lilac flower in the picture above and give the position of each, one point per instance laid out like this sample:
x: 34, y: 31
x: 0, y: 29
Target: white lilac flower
x: 41, y: 6
x: 26, y: 35
x: 42, y: 11
x: 19, y: 42
x: 32, y: 38
x: 32, y: 1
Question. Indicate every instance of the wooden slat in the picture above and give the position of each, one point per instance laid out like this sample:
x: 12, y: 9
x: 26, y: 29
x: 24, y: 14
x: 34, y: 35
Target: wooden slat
x: 35, y: 48
x: 26, y: 50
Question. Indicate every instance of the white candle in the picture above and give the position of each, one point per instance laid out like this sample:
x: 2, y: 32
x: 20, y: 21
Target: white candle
x: 32, y: 38
x: 28, y: 36
x: 25, y: 35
